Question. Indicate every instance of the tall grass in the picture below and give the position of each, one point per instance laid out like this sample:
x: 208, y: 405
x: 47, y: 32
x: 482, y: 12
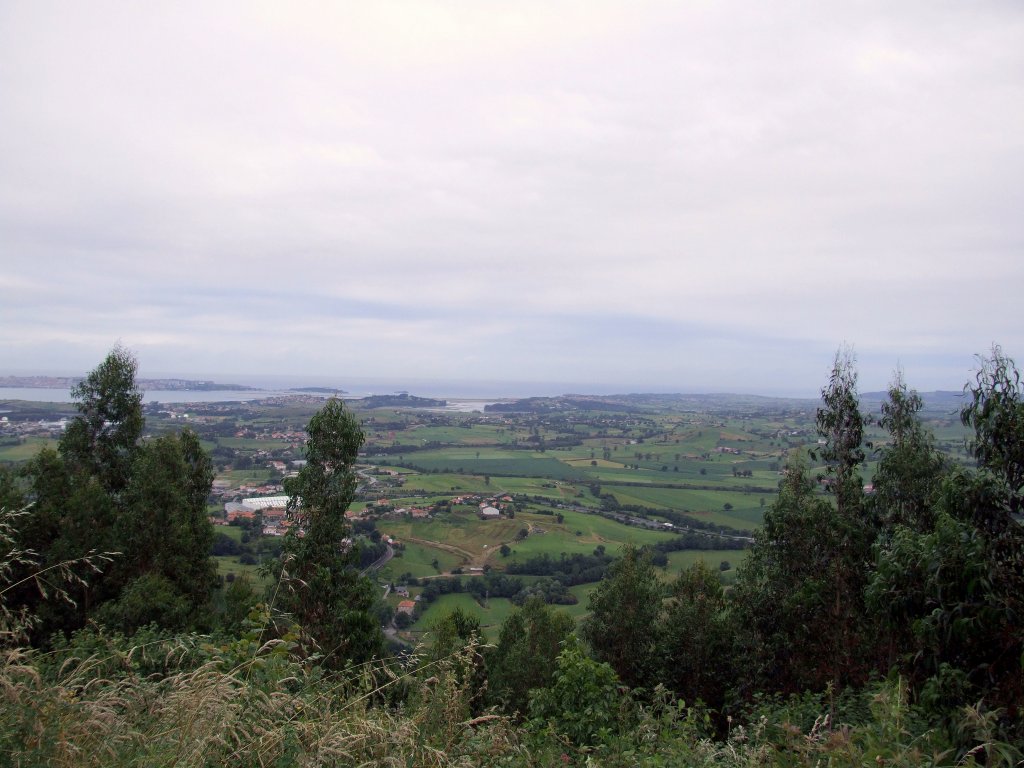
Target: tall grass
x: 101, y: 699
x: 206, y: 707
x: 182, y: 701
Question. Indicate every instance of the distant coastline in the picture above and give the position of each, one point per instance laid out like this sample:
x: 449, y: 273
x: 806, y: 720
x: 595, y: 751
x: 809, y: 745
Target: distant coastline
x: 164, y: 385
x: 63, y: 395
x: 43, y: 388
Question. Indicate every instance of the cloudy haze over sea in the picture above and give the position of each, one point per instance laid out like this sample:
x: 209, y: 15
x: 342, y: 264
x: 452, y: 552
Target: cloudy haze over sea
x: 631, y: 196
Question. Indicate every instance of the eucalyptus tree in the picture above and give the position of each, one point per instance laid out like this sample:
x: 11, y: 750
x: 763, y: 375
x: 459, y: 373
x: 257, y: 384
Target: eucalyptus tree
x: 947, y: 591
x: 625, y: 612
x: 910, y: 468
x: 106, y: 489
x: 697, y: 638
x: 995, y: 411
x: 841, y: 426
x: 324, y: 590
x: 526, y: 654
x: 165, y: 537
x: 102, y: 440
x: 800, y: 595
x: 785, y: 591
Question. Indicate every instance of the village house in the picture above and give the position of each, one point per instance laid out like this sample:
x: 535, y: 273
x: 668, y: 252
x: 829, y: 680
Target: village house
x: 275, y: 522
x: 234, y: 511
x: 279, y: 528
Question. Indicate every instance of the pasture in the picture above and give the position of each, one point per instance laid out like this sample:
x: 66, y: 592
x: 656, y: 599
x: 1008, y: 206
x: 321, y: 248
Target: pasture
x: 447, y: 483
x: 228, y: 564
x: 496, y: 610
x: 252, y: 444
x: 491, y: 615
x: 417, y: 559
x: 239, y: 477
x: 461, y: 539
x: 680, y: 561
x: 746, y: 512
x: 17, y: 450
x: 498, y: 463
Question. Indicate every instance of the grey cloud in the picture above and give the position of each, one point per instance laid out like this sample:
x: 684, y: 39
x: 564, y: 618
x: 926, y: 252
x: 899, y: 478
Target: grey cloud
x: 432, y: 184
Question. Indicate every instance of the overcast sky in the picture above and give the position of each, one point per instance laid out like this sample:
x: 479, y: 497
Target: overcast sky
x: 678, y: 196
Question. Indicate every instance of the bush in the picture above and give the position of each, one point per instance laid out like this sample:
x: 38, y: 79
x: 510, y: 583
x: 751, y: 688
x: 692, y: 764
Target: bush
x: 582, y: 703
x: 149, y: 599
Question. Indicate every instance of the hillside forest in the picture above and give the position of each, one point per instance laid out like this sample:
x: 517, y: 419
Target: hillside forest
x: 855, y: 599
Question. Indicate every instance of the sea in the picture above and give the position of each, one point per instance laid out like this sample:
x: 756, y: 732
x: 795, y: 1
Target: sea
x: 462, y: 395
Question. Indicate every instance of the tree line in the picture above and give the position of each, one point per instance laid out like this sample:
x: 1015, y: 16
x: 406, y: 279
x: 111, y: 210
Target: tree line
x: 920, y: 575
x: 917, y: 577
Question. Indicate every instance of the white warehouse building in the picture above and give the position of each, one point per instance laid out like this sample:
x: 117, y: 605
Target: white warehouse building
x: 258, y: 503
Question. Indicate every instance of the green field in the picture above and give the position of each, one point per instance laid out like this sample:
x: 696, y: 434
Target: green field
x: 461, y: 532
x: 498, y: 609
x: 557, y: 490
x: 746, y: 512
x: 679, y: 561
x: 231, y: 531
x: 252, y: 444
x: 491, y: 617
x: 581, y: 609
x: 229, y: 564
x: 478, y: 541
x: 580, y: 533
x: 509, y: 464
x: 689, y: 473
x: 416, y: 559
x: 676, y: 457
x: 447, y: 483
x: 238, y: 477
x: 478, y: 435
x: 25, y: 449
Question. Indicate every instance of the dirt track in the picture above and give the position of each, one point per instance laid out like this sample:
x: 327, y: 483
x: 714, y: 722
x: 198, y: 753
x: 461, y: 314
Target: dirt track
x: 469, y: 557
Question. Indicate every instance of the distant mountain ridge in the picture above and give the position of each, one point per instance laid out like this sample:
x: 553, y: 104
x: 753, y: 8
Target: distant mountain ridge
x: 939, y: 400
x: 640, y: 402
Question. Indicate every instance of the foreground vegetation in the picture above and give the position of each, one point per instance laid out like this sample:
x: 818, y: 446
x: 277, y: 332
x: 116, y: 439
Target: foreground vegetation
x: 866, y: 625
x: 185, y: 702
